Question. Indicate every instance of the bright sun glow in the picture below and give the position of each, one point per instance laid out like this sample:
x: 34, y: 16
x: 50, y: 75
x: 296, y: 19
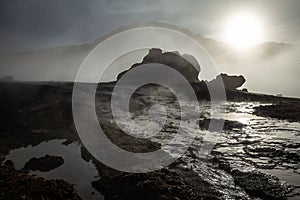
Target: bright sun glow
x: 243, y: 31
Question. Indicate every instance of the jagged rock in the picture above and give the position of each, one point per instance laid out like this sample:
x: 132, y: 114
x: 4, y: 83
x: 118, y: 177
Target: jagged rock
x: 230, y: 82
x: 187, y: 65
x: 255, y: 182
x: 260, y: 184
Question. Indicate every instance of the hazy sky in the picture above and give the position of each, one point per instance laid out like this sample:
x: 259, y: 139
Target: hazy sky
x: 34, y: 24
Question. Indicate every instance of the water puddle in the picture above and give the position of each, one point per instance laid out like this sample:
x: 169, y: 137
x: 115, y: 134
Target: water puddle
x: 74, y: 170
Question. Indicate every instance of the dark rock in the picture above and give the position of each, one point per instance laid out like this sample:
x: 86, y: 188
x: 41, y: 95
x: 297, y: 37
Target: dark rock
x: 17, y: 185
x: 164, y: 184
x: 260, y: 184
x: 230, y: 82
x: 44, y: 164
x: 85, y: 154
x: 38, y: 117
x: 185, y: 64
x: 282, y: 111
x: 257, y: 183
x: 188, y: 66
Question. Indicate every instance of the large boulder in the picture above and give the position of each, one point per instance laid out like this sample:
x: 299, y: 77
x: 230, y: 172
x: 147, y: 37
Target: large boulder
x: 230, y: 82
x: 185, y: 64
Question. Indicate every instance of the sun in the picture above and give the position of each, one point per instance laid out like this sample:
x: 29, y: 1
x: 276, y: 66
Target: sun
x: 243, y: 30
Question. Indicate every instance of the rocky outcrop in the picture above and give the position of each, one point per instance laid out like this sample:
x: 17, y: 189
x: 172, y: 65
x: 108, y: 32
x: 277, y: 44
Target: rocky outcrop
x: 230, y: 82
x: 256, y: 183
x: 187, y: 65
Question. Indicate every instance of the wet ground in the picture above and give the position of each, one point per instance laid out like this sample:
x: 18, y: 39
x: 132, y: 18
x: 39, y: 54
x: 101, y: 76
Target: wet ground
x: 252, y: 143
x: 74, y: 170
x: 253, y: 157
x: 267, y: 144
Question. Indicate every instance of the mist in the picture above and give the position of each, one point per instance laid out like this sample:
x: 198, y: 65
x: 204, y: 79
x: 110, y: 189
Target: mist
x: 271, y: 74
x: 268, y: 70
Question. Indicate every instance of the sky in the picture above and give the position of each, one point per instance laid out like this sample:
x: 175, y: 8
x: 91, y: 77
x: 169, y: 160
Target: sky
x: 27, y: 25
x: 36, y: 24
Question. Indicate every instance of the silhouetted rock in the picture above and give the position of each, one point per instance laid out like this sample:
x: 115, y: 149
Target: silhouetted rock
x: 230, y: 82
x: 187, y: 65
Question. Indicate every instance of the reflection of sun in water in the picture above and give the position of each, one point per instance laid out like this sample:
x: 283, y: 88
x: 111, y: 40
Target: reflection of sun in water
x: 243, y: 31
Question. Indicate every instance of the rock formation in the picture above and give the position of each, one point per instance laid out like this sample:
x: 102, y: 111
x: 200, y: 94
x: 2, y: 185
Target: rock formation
x: 185, y: 64
x: 230, y: 82
x: 188, y: 66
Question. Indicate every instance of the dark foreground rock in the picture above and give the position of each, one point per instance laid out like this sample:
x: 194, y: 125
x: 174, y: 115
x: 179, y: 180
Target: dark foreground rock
x: 15, y: 184
x: 257, y: 183
x: 260, y: 184
x: 44, y: 164
x: 283, y: 111
x: 165, y: 184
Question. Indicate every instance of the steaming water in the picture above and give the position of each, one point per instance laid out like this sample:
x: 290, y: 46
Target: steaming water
x: 269, y: 145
